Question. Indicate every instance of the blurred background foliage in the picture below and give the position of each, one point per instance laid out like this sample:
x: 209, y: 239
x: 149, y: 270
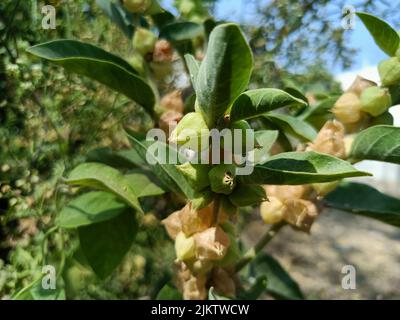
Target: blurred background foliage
x: 50, y: 120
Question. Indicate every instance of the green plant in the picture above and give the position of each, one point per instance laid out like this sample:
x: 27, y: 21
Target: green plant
x: 289, y: 184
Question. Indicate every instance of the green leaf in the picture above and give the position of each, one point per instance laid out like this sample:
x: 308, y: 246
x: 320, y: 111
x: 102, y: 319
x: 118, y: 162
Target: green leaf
x: 380, y: 143
x: 254, y: 103
x: 103, y: 177
x: 292, y: 125
x: 366, y: 201
x: 181, y: 31
x: 144, y: 183
x: 300, y: 168
x: 224, y: 73
x: 105, y: 244
x: 256, y: 290
x: 193, y: 66
x: 280, y: 284
x: 91, y: 207
x: 168, y: 174
x: 384, y: 35
x: 118, y: 15
x: 265, y: 139
x: 295, y: 92
x: 169, y: 292
x: 125, y: 159
x: 97, y: 64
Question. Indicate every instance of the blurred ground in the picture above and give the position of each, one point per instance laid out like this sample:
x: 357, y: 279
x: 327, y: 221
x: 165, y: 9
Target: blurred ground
x: 338, y: 239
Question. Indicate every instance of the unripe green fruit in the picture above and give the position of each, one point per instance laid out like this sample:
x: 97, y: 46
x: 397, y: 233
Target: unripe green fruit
x: 222, y: 178
x: 191, y: 132
x: 137, y: 6
x: 195, y: 174
x: 137, y: 62
x: 375, y: 100
x: 247, y: 195
x: 144, y: 41
x: 389, y: 71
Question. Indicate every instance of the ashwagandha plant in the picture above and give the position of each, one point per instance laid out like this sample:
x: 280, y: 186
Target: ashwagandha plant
x: 300, y: 151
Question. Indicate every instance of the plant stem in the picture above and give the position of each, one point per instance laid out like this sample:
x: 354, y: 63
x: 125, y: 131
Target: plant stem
x: 217, y: 203
x: 252, y: 253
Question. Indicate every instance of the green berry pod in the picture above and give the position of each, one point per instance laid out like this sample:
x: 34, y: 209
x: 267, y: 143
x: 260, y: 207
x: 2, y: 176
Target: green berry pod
x: 375, y: 100
x: 191, y: 132
x: 144, y: 41
x: 137, y: 6
x: 195, y: 174
x: 222, y: 178
x: 389, y: 71
x: 247, y: 195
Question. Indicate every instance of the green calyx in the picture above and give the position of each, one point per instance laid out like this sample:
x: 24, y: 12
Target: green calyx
x: 137, y: 6
x: 223, y: 178
x: 247, y: 195
x: 191, y: 132
x: 389, y: 71
x: 375, y: 100
x: 195, y: 174
x: 202, y: 199
x: 242, y: 138
x: 144, y: 41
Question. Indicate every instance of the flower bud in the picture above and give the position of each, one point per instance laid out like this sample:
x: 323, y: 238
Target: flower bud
x: 169, y: 120
x: 137, y: 6
x: 195, y: 174
x: 222, y: 178
x: 247, y: 195
x: 375, y: 100
x: 163, y: 51
x: 272, y: 211
x: 211, y: 244
x: 330, y: 140
x: 300, y: 214
x: 359, y: 85
x: 144, y: 41
x: 191, y: 132
x: 185, y: 247
x: 194, y: 221
x: 347, y: 108
x: 389, y: 71
x: 173, y: 224
x: 173, y: 101
x: 223, y: 283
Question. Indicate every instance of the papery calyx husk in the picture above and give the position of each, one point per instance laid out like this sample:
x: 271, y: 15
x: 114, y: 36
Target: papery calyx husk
x: 285, y: 192
x: 185, y: 247
x: 193, y: 221
x: 375, y: 100
x: 247, y: 195
x: 330, y: 140
x: 347, y: 108
x: 202, y: 199
x: 273, y: 210
x: 195, y: 174
x: 300, y: 214
x: 191, y: 132
x: 169, y: 120
x: 223, y: 178
x: 195, y: 288
x: 144, y: 41
x: 173, y: 224
x: 389, y: 71
x: 212, y: 244
x: 163, y: 51
x: 137, y: 6
x: 173, y: 101
x: 360, y: 84
x: 223, y: 282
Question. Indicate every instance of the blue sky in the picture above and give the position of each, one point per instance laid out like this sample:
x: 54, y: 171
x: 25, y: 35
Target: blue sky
x: 368, y: 53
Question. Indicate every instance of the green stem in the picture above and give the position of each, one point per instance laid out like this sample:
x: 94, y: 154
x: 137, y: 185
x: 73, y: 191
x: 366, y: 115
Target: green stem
x: 217, y: 203
x: 252, y: 253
